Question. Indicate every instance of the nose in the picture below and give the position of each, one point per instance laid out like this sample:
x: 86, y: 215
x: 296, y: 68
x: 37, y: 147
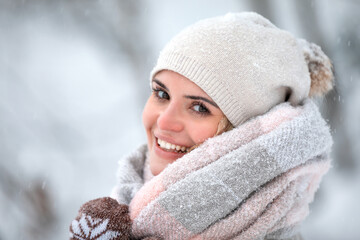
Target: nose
x: 170, y: 119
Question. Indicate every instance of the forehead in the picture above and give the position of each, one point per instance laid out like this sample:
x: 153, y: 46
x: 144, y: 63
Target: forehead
x: 178, y: 83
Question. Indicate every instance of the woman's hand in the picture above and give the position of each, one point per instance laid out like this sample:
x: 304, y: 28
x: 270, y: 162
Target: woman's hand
x: 102, y: 218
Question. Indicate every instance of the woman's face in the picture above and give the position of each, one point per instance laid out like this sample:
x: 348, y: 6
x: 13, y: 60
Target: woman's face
x: 177, y: 116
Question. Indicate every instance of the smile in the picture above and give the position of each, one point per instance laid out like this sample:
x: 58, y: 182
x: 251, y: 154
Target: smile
x: 172, y: 147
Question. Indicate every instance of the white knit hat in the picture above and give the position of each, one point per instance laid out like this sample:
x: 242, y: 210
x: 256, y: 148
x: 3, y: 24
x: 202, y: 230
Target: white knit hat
x: 242, y: 61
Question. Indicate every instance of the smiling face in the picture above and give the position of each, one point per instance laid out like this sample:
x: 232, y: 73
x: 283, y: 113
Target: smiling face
x: 177, y: 116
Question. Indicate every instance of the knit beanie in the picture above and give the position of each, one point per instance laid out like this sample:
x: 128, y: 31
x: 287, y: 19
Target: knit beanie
x: 245, y: 63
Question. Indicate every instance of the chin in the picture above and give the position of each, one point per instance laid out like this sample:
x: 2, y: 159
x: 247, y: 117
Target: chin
x: 157, y: 165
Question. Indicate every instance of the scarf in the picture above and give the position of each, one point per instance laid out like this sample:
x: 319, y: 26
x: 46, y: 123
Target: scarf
x: 253, y: 182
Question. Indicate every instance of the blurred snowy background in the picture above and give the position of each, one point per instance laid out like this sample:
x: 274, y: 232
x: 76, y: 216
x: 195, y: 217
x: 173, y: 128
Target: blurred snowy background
x: 74, y: 79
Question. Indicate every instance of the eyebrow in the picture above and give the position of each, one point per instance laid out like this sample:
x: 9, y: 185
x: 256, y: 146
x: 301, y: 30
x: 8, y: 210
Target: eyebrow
x: 202, y: 98
x: 160, y: 84
x: 188, y: 96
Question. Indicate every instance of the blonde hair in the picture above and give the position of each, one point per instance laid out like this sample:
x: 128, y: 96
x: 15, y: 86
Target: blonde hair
x: 224, y: 126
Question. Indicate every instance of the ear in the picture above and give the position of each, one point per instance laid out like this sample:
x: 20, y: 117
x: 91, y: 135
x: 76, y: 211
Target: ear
x: 320, y: 68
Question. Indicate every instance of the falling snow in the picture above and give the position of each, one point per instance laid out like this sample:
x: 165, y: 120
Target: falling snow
x: 74, y: 79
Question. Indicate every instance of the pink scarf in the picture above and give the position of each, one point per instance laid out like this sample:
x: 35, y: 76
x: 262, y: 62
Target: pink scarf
x: 253, y: 182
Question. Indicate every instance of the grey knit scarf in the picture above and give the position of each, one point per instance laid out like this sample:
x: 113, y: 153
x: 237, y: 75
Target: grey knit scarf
x: 253, y: 182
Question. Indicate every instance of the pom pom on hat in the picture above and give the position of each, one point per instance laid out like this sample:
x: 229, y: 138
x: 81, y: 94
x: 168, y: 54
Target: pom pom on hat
x: 320, y: 68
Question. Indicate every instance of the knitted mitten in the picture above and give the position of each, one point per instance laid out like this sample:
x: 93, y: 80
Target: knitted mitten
x: 101, y: 219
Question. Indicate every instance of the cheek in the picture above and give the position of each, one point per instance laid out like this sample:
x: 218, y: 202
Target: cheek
x: 201, y: 131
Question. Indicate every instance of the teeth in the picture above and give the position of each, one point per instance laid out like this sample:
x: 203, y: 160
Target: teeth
x: 170, y: 146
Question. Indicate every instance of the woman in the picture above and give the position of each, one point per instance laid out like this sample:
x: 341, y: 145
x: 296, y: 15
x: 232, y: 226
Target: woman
x: 235, y: 147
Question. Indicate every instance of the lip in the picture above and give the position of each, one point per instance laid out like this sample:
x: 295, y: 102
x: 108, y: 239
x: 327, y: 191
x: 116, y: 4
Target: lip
x: 172, y: 156
x: 169, y: 140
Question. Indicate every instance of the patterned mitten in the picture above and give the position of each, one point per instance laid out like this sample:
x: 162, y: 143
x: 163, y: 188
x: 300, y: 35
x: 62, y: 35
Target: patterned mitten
x: 101, y: 219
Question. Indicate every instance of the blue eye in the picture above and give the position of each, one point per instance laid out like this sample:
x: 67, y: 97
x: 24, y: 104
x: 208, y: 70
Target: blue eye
x: 200, y: 108
x: 163, y: 94
x: 160, y: 94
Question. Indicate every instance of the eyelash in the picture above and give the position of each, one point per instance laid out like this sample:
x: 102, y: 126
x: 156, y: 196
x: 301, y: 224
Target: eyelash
x: 206, y: 112
x: 193, y: 104
x: 156, y: 94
